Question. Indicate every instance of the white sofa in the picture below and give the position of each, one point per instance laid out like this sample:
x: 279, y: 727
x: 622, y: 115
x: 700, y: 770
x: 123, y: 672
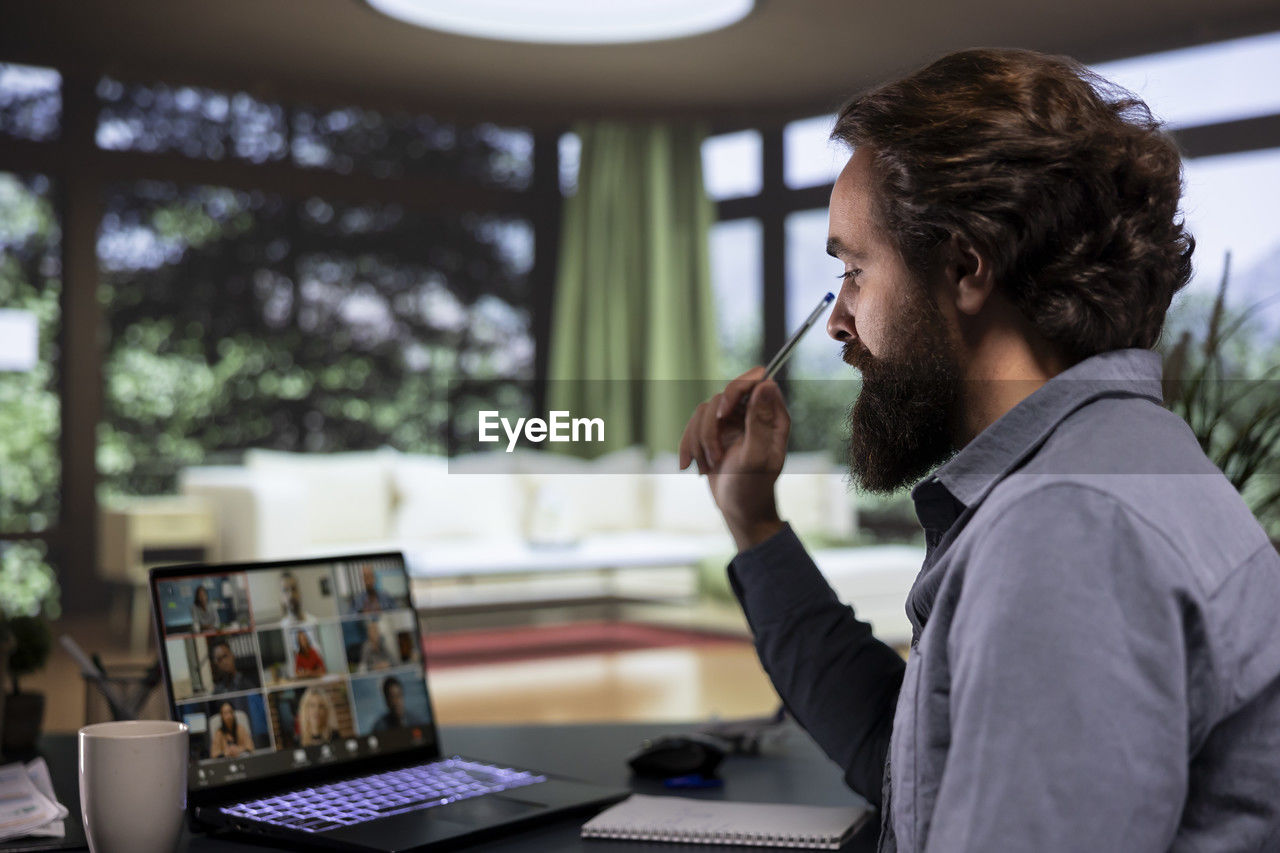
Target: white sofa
x: 499, y: 513
x: 279, y: 505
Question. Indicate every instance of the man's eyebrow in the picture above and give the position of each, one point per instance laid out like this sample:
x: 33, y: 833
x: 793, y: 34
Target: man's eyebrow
x: 836, y: 248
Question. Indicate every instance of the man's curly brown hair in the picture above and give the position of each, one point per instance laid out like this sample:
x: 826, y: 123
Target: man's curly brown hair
x: 1062, y: 181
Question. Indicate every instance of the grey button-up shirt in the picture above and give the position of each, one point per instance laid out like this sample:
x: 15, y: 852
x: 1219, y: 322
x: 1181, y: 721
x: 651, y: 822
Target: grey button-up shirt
x: 1096, y: 655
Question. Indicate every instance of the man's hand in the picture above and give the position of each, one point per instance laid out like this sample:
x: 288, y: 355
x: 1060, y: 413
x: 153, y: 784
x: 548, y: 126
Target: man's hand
x: 741, y: 456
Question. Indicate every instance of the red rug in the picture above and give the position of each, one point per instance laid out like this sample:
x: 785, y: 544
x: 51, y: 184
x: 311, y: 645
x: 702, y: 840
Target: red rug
x: 505, y: 645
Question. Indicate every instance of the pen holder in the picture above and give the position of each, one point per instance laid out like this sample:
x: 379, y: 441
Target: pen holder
x: 139, y: 699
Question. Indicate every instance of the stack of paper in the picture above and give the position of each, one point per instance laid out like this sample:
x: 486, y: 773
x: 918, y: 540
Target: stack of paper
x: 28, y: 805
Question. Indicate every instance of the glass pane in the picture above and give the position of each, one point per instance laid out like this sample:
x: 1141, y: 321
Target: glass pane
x: 737, y: 277
x: 188, y: 120
x: 732, y: 164
x: 821, y: 387
x: 1226, y: 212
x: 811, y: 274
x: 238, y: 320
x: 1206, y: 84
x: 511, y: 159
x: 810, y: 158
x: 30, y: 408
x: 570, y: 159
x: 352, y: 139
x: 30, y: 102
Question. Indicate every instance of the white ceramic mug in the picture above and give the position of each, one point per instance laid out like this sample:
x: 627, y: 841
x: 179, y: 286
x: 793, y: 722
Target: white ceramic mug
x: 133, y: 785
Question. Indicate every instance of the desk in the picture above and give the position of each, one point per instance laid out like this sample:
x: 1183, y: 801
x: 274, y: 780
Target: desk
x: 791, y: 770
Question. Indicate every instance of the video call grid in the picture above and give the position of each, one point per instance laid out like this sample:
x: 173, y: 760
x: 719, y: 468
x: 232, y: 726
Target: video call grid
x: 390, y: 608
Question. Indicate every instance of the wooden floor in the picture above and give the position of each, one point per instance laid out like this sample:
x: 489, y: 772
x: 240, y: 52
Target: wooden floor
x: 668, y: 684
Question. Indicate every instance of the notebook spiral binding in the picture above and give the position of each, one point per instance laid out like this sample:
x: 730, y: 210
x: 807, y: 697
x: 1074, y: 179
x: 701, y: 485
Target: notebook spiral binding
x: 745, y: 839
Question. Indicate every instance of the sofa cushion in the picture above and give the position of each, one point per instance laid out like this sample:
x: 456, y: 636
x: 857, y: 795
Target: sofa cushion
x: 813, y: 494
x: 682, y: 503
x: 347, y: 495
x: 580, y: 497
x: 438, y: 500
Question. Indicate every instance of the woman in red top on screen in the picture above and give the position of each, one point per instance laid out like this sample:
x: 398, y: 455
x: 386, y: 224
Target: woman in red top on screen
x: 307, y: 662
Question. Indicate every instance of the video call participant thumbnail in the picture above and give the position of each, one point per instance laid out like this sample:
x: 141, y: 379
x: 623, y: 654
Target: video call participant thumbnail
x: 293, y: 597
x: 233, y: 672
x: 230, y: 737
x: 203, y: 616
x: 311, y: 716
x: 204, y: 605
x: 380, y: 642
x: 307, y: 660
x: 368, y: 590
x: 296, y: 654
x: 227, y: 728
x: 389, y: 702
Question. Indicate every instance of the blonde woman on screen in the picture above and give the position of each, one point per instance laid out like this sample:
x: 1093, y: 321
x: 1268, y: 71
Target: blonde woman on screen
x: 317, y: 720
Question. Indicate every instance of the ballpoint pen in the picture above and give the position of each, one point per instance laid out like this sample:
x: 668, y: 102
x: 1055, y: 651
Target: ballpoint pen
x: 789, y: 347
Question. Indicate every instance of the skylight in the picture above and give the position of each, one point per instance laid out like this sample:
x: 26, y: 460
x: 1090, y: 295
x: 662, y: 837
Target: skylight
x: 569, y: 21
x: 1209, y: 83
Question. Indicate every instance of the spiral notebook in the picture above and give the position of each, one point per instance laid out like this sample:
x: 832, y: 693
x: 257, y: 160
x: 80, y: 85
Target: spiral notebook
x: 688, y: 821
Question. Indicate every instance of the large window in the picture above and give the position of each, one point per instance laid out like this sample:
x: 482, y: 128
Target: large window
x: 244, y: 319
x: 246, y: 273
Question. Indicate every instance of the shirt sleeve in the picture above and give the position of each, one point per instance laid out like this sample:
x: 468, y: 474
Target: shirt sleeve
x: 838, y: 681
x: 1068, y: 684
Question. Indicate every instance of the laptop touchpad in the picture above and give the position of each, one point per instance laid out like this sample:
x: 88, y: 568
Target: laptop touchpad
x: 487, y: 810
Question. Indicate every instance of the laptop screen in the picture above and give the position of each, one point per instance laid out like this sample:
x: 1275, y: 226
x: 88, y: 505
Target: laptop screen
x: 286, y: 666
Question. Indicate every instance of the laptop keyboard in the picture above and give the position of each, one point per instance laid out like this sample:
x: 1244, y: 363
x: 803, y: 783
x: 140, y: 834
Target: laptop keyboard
x: 380, y: 795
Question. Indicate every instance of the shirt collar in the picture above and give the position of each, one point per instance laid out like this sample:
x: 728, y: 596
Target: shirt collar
x: 1004, y: 445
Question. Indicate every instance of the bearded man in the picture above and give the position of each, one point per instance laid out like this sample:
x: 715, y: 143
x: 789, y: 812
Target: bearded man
x: 1095, y: 662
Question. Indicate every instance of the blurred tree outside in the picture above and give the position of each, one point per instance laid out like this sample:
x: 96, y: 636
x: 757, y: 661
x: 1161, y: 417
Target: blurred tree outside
x: 242, y: 319
x: 30, y: 280
x: 239, y: 320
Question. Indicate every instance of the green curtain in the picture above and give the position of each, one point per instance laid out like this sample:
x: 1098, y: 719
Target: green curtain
x: 633, y: 332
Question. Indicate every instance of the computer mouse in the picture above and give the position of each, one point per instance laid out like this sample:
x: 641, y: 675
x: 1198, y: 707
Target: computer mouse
x: 677, y: 755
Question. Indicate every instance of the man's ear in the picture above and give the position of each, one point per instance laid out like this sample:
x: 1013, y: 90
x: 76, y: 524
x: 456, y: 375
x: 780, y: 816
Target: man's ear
x: 968, y: 275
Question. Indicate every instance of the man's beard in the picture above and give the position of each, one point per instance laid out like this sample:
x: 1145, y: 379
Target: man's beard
x: 903, y: 423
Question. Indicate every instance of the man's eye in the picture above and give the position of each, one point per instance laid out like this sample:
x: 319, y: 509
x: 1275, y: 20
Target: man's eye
x: 848, y: 274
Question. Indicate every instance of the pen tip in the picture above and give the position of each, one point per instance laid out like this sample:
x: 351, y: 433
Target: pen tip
x: 829, y: 297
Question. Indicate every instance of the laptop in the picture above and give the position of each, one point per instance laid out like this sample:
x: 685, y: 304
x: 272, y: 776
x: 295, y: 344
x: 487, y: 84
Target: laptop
x: 303, y: 685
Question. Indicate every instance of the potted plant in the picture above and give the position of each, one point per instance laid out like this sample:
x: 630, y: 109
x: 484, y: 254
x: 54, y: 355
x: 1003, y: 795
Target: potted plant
x: 1221, y: 378
x: 28, y: 600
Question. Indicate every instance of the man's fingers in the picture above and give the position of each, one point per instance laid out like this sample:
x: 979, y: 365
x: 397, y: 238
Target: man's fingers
x: 736, y: 390
x: 686, y: 454
x: 689, y: 444
x: 768, y: 422
x: 709, y: 433
x: 702, y: 441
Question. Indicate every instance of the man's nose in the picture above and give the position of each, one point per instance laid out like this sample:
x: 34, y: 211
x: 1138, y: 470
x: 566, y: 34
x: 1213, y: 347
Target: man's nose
x: 840, y: 321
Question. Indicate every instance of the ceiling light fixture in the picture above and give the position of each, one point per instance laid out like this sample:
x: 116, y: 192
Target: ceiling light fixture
x: 569, y: 21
